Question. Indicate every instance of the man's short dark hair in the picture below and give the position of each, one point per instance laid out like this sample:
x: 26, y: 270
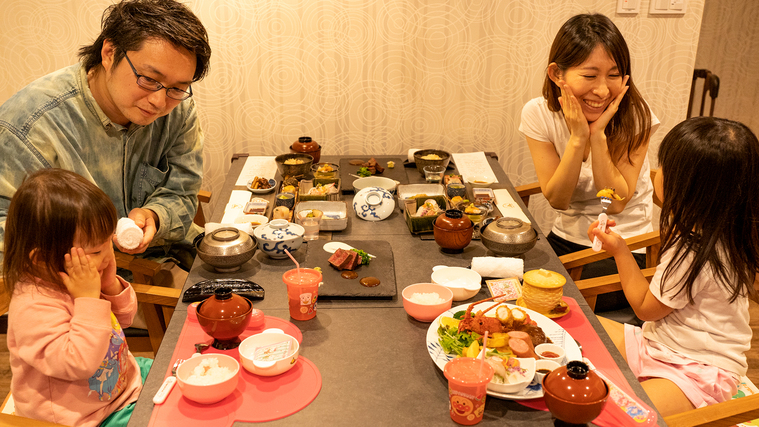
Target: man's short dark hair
x: 129, y: 23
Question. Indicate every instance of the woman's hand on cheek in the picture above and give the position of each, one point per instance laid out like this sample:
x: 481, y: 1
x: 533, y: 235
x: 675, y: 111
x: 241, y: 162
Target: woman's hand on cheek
x: 570, y: 106
x: 81, y: 278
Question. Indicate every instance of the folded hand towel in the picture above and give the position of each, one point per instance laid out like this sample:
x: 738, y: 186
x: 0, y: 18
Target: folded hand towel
x: 128, y: 234
x: 489, y: 266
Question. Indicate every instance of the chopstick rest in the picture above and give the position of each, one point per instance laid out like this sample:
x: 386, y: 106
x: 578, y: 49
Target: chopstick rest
x: 128, y: 234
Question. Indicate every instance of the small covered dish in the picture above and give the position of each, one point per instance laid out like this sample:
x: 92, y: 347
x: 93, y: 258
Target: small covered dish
x: 507, y: 236
x: 224, y: 316
x: 277, y: 235
x: 226, y: 249
x: 306, y: 145
x: 453, y: 231
x: 373, y: 203
x: 575, y: 394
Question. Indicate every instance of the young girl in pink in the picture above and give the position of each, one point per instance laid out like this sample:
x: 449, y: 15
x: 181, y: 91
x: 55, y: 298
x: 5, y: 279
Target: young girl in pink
x: 68, y: 355
x: 690, y: 351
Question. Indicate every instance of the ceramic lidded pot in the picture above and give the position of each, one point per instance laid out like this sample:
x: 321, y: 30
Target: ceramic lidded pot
x: 508, y: 236
x: 453, y: 231
x: 226, y: 249
x: 373, y: 203
x: 277, y: 235
x: 575, y: 394
x: 306, y: 145
x: 224, y: 316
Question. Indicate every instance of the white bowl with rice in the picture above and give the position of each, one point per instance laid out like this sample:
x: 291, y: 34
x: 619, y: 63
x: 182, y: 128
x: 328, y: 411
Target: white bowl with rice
x: 208, y: 378
x: 426, y: 301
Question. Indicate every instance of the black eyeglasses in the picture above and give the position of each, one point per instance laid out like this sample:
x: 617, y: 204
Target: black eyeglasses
x: 150, y: 84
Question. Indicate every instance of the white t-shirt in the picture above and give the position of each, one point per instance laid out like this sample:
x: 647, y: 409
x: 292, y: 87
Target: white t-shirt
x: 542, y: 124
x: 711, y: 330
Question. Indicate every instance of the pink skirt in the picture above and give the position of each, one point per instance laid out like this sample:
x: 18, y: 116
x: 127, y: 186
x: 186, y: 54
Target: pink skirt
x: 702, y: 384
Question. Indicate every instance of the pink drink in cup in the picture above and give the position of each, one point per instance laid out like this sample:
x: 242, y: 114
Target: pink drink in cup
x: 302, y: 291
x: 468, y: 380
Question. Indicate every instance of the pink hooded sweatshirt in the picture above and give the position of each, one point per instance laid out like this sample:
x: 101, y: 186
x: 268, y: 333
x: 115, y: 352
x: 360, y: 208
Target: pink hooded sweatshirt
x: 69, y: 358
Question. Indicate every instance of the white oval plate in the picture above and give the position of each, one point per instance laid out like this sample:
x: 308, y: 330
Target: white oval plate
x: 272, y: 182
x: 556, y: 333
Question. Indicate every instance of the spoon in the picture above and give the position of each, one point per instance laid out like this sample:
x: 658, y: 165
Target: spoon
x: 332, y: 246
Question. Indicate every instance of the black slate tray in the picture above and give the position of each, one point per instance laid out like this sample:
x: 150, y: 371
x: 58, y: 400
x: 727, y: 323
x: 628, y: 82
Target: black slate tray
x: 397, y: 173
x: 336, y: 287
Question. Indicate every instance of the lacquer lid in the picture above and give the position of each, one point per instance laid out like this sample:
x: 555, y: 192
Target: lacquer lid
x: 224, y: 305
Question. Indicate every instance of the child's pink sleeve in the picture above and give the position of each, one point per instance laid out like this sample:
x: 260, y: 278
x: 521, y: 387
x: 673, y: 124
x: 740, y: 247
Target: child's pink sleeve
x: 123, y: 304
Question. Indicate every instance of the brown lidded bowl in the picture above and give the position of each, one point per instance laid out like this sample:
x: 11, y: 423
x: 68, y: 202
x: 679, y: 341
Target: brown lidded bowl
x: 453, y: 231
x: 575, y: 394
x: 224, y: 316
x: 445, y: 158
x: 306, y: 145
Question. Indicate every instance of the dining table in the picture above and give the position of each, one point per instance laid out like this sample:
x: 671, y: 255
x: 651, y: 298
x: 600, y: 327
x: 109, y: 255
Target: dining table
x: 368, y: 361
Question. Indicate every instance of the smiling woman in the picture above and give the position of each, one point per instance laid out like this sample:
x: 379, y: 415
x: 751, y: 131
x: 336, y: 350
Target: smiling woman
x: 590, y: 130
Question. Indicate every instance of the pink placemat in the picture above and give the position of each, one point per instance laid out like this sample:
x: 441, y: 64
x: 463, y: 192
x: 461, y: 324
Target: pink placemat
x: 256, y: 398
x: 594, y: 349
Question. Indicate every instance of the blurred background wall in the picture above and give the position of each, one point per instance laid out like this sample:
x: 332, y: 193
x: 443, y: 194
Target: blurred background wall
x: 376, y: 76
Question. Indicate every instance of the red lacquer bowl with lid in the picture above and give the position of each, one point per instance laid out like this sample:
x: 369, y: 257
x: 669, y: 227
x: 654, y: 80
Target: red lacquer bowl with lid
x: 453, y: 231
x: 224, y: 316
x: 306, y: 145
x: 575, y: 394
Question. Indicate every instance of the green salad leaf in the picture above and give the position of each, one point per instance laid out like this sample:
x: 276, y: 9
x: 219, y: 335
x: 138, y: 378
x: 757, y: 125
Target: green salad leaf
x: 365, y: 258
x: 453, y: 341
x: 364, y: 171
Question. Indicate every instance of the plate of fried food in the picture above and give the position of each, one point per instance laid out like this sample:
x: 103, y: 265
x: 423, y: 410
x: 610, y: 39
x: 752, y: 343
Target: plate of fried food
x: 261, y: 185
x: 454, y: 333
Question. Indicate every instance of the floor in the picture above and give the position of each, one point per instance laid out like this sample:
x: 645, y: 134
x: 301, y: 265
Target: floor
x: 753, y: 355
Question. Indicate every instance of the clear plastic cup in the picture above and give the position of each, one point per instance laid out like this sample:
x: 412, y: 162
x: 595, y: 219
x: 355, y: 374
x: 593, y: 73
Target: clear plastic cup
x: 468, y: 380
x: 310, y: 219
x: 302, y: 292
x: 434, y: 174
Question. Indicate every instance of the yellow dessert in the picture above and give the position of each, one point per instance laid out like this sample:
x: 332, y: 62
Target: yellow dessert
x: 609, y: 193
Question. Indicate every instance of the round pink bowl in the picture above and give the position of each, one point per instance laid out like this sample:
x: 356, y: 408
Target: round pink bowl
x: 210, y: 393
x: 426, y: 312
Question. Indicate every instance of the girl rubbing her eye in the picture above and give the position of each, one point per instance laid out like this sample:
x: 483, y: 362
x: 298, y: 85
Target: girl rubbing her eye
x: 589, y: 131
x: 690, y: 351
x: 68, y: 355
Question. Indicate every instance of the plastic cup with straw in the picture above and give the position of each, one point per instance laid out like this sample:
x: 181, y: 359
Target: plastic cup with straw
x: 468, y: 380
x: 302, y: 290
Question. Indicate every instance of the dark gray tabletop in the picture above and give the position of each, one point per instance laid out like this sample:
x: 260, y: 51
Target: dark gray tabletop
x: 372, y: 356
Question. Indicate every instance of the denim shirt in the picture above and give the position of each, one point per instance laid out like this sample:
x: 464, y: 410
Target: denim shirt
x: 55, y: 122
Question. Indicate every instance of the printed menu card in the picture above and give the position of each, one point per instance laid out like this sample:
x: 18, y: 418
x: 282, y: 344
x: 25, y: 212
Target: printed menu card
x: 472, y: 165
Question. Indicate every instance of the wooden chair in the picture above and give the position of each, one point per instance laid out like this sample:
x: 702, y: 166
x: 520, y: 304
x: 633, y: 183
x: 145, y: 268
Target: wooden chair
x: 574, y: 262
x: 711, y: 86
x: 157, y: 301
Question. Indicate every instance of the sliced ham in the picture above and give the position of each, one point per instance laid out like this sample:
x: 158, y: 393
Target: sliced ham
x: 521, y: 344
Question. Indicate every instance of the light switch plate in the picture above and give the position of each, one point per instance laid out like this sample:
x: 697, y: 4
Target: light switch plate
x: 668, y: 7
x: 628, y: 6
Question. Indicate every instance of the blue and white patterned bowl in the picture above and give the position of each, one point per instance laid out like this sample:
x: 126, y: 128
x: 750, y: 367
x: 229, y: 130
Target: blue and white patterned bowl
x: 373, y: 203
x: 277, y: 235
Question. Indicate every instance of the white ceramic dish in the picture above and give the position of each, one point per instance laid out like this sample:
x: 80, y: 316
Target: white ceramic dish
x: 253, y: 219
x: 560, y: 358
x: 544, y: 364
x: 210, y: 393
x: 556, y: 333
x: 334, y: 217
x: 277, y: 235
x: 276, y: 365
x: 479, y: 181
x: 375, y: 181
x: 528, y: 365
x: 272, y: 183
x: 407, y: 191
x: 463, y: 282
x: 373, y: 204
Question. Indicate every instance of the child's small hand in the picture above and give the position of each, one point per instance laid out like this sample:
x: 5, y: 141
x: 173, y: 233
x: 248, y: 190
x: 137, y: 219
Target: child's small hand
x: 109, y: 285
x: 81, y: 278
x: 612, y: 242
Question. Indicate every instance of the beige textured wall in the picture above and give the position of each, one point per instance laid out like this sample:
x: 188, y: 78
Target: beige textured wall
x: 729, y: 48
x: 370, y: 76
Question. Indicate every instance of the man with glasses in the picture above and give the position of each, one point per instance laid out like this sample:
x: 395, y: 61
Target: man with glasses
x: 123, y: 118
